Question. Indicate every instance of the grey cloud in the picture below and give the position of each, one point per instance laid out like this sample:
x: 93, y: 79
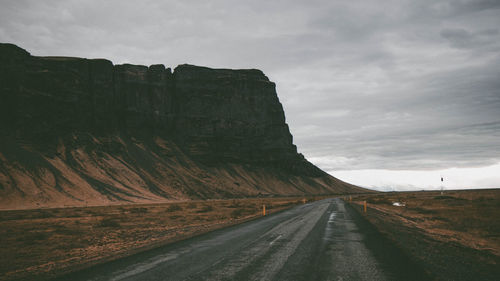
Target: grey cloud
x: 461, y: 38
x: 430, y: 150
x: 474, y: 5
x: 399, y: 85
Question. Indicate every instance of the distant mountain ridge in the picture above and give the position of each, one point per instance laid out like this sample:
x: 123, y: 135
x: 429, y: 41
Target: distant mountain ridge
x: 81, y: 131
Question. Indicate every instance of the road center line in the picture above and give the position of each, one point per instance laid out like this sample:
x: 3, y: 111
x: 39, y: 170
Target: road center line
x: 332, y: 217
x: 276, y: 239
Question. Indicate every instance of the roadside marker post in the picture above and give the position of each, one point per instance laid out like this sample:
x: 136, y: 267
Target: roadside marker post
x: 263, y: 210
x: 364, y: 206
x: 442, y: 186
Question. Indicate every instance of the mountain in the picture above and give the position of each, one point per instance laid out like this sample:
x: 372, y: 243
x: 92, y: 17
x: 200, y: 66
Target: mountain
x: 78, y: 131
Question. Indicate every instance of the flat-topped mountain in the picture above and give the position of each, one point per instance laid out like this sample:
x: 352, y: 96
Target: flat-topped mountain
x: 78, y: 131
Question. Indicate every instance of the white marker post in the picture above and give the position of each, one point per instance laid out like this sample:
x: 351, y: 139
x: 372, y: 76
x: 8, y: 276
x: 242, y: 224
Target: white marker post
x: 442, y: 185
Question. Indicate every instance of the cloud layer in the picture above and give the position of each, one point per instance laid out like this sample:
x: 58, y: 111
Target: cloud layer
x: 411, y: 85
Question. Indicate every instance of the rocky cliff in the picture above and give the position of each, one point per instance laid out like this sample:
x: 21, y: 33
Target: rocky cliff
x: 85, y: 131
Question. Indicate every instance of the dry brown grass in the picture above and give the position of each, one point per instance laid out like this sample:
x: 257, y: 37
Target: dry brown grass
x: 37, y: 244
x: 466, y: 217
x: 459, y: 230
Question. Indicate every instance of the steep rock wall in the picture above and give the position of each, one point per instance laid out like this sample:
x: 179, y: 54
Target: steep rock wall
x: 44, y: 96
x: 73, y: 126
x: 232, y: 115
x: 213, y: 114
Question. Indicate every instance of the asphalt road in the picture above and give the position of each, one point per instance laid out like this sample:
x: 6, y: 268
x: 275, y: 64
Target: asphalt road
x: 323, y: 240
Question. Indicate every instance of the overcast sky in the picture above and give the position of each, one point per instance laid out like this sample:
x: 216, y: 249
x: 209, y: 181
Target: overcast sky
x: 384, y: 94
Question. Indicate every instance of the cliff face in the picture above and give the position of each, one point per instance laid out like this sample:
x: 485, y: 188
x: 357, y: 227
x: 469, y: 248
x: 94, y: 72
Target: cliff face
x: 230, y: 114
x: 55, y: 95
x: 54, y: 107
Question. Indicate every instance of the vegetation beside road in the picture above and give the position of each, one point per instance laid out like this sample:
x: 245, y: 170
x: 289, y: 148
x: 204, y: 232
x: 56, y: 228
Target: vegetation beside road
x: 42, y: 243
x: 454, y: 236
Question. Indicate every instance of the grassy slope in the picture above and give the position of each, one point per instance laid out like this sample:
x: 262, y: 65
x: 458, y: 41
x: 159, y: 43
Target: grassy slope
x: 84, y: 170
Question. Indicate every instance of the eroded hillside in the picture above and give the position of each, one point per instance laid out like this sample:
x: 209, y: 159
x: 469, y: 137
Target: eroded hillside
x: 81, y: 132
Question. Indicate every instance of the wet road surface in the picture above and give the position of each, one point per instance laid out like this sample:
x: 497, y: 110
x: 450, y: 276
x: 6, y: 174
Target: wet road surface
x: 323, y: 240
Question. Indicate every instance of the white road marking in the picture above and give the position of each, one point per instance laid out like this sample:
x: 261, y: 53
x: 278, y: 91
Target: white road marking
x: 332, y: 216
x: 276, y: 239
x: 144, y: 267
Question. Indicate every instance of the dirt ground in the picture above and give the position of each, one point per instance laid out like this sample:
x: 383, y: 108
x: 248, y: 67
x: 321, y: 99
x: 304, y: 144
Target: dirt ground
x: 42, y: 243
x: 454, y: 236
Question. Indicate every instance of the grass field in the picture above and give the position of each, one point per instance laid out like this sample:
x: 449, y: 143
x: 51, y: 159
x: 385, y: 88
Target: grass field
x: 39, y: 244
x: 455, y: 235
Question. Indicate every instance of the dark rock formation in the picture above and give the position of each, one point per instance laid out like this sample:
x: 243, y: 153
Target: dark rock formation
x: 84, y: 130
x: 230, y: 115
x: 213, y: 114
x: 54, y: 95
x: 143, y: 97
